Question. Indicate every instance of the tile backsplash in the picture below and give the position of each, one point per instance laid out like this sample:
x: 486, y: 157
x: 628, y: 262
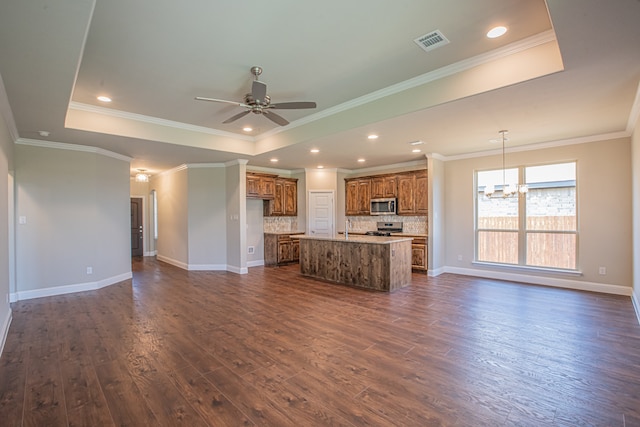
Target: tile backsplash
x: 410, y: 224
x: 273, y: 224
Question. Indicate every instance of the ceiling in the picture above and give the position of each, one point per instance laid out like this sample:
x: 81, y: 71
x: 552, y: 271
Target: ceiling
x: 565, y: 70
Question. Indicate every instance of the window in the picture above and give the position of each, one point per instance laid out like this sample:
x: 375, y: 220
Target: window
x: 537, y: 228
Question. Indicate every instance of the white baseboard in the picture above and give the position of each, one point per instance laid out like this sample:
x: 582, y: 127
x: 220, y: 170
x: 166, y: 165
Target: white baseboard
x: 257, y: 263
x: 4, y: 330
x: 173, y: 262
x: 636, y: 305
x: 545, y: 281
x: 67, y: 289
x: 207, y: 267
x: 202, y: 267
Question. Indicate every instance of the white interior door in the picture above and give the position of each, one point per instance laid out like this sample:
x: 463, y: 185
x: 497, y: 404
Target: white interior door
x: 321, y: 213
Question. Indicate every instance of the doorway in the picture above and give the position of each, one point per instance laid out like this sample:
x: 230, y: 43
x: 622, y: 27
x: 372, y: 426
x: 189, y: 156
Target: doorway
x: 137, y: 238
x: 321, y: 213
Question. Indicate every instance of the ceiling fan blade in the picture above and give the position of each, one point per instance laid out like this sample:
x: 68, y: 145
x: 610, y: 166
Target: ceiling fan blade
x: 237, y: 116
x: 239, y: 104
x: 258, y: 91
x: 293, y: 105
x: 275, y: 118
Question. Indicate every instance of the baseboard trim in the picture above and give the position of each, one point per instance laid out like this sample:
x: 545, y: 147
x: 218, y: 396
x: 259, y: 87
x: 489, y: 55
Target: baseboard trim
x: 636, y: 305
x: 257, y: 263
x: 4, y: 332
x: 544, y: 281
x: 68, y: 289
x: 173, y: 262
x: 207, y: 267
x: 202, y: 267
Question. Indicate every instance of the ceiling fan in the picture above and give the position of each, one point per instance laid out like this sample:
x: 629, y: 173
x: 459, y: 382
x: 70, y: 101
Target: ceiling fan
x: 258, y: 102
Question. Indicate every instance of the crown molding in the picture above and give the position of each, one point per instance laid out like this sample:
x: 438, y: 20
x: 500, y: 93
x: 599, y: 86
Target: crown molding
x: 155, y: 121
x: 540, y: 146
x: 513, y: 48
x: 72, y: 147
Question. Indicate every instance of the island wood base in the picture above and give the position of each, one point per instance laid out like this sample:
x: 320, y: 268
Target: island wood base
x: 377, y: 263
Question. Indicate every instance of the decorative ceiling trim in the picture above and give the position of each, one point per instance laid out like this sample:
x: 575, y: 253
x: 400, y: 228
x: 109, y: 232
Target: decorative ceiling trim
x: 539, y: 146
x: 73, y: 105
x: 513, y: 48
x: 72, y: 147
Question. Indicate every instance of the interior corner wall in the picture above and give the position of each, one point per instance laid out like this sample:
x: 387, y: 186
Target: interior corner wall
x: 604, y: 213
x: 73, y: 230
x: 207, y: 218
x: 6, y: 167
x: 302, y: 197
x: 635, y: 160
x: 236, y: 212
x: 172, y: 193
x: 436, y: 216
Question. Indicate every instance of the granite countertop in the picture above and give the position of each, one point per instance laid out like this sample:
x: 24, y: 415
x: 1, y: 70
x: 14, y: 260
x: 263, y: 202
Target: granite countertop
x: 358, y: 238
x: 284, y: 233
x: 402, y: 234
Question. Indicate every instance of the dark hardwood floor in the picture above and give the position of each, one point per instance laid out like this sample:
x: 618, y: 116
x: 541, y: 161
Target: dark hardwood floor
x: 272, y: 348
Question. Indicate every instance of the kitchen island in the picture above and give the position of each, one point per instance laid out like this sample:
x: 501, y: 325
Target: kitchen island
x: 371, y: 262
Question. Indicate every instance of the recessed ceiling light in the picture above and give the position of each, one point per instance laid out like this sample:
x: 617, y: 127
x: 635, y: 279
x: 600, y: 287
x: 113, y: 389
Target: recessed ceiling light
x: 104, y: 98
x: 315, y: 150
x: 416, y: 143
x: 274, y: 160
x: 320, y: 167
x: 416, y: 150
x: 373, y: 136
x: 247, y: 129
x: 496, y: 32
x: 361, y: 160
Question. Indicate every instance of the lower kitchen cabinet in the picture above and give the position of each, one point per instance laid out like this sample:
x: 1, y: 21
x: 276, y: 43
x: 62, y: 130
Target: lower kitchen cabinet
x: 281, y: 248
x: 419, y: 254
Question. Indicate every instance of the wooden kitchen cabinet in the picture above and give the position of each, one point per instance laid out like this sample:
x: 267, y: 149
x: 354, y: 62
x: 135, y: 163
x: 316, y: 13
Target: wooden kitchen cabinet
x: 383, y: 186
x: 281, y: 248
x: 285, y: 199
x: 412, y: 193
x: 419, y: 254
x: 260, y: 186
x: 358, y: 196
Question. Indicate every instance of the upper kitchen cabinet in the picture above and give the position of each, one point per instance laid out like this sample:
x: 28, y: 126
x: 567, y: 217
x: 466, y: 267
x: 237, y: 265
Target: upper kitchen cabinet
x: 260, y: 185
x: 412, y: 193
x: 285, y: 200
x: 384, y: 186
x: 358, y: 196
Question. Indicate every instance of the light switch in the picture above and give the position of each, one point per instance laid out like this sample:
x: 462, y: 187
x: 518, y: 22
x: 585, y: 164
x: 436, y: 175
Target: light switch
x: 22, y: 219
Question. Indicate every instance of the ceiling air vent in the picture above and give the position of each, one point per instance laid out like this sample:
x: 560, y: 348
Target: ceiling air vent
x: 431, y: 40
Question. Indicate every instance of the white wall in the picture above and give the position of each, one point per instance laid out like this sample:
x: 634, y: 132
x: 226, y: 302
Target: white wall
x: 172, y: 192
x: 207, y: 222
x: 604, y: 214
x: 255, y: 232
x: 436, y: 223
x: 6, y: 167
x: 76, y: 215
x: 236, y: 206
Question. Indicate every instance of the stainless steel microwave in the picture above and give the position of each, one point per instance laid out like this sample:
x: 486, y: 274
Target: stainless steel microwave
x: 383, y: 206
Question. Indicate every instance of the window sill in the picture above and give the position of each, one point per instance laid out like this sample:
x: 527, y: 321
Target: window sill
x: 527, y: 268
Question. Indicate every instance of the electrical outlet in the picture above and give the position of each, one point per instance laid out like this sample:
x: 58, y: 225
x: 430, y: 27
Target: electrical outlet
x: 89, y: 270
x: 602, y: 271
x: 251, y: 250
x: 459, y: 257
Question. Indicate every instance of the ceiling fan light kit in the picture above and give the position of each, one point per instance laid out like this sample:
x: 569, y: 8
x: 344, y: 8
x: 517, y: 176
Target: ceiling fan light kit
x: 258, y: 102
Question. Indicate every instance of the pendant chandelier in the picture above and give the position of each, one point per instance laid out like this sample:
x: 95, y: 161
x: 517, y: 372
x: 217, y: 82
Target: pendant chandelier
x: 141, y: 176
x: 508, y: 190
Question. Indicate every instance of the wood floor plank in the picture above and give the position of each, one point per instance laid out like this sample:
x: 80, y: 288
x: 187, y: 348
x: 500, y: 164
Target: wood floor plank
x: 272, y: 347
